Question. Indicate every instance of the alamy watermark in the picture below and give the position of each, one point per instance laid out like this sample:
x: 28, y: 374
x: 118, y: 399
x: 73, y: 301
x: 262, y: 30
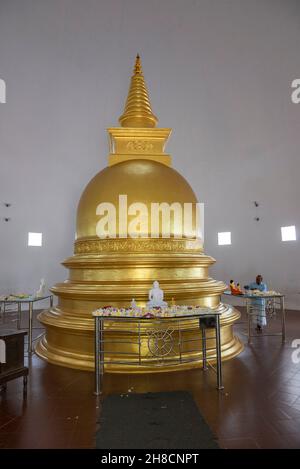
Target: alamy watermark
x: 296, y: 353
x: 295, y: 96
x: 2, y: 91
x: 160, y: 219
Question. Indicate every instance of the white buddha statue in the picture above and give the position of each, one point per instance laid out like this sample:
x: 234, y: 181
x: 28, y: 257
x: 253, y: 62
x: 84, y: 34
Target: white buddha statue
x: 156, y: 297
x: 42, y: 290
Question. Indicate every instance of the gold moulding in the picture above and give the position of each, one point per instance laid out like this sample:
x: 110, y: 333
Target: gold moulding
x: 127, y: 245
x: 116, y: 276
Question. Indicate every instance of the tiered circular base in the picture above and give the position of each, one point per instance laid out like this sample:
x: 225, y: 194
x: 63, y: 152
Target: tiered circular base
x: 74, y: 346
x: 112, y: 272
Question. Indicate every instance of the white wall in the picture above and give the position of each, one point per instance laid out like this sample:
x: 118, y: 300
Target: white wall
x: 219, y: 72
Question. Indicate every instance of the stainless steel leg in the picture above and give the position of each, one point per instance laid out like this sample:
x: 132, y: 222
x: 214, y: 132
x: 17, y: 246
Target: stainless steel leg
x: 219, y: 356
x: 97, y: 356
x: 101, y: 350
x: 140, y: 342
x: 248, y: 310
x: 19, y: 316
x: 30, y: 327
x: 204, y: 358
x: 24, y: 384
x: 283, y: 319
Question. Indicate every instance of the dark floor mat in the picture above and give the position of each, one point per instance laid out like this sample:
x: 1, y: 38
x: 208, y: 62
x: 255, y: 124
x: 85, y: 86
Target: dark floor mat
x: 167, y: 420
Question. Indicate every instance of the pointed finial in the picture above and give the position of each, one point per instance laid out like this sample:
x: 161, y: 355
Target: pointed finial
x: 137, y: 66
x: 138, y: 112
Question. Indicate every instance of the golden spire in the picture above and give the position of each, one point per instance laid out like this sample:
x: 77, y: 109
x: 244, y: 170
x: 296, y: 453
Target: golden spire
x: 138, y: 112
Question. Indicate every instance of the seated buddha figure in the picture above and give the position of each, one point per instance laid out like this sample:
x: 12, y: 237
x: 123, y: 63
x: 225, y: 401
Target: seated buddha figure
x: 156, y: 297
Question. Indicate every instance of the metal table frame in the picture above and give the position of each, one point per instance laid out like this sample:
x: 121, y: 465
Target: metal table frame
x: 211, y: 320
x: 251, y: 311
x: 30, y: 302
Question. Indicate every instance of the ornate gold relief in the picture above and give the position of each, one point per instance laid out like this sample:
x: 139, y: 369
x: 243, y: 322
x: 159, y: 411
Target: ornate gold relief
x: 139, y: 145
x: 136, y: 245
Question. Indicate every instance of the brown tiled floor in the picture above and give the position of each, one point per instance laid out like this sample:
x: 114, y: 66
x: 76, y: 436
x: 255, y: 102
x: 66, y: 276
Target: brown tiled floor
x: 259, y: 408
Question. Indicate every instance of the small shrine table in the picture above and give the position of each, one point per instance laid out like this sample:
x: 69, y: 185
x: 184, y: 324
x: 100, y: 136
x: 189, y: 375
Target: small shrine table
x: 274, y: 302
x: 30, y: 301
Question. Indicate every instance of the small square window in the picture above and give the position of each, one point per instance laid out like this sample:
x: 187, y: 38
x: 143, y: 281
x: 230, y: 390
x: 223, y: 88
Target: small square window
x: 288, y: 233
x: 224, y: 238
x: 34, y: 239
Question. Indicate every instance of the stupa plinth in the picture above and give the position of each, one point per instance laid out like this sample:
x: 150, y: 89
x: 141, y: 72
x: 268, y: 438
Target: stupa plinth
x: 110, y: 268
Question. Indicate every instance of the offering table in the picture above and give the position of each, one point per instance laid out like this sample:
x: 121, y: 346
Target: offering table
x: 158, y: 339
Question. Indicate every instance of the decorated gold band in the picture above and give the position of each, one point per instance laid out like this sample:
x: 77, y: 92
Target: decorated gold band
x: 95, y: 245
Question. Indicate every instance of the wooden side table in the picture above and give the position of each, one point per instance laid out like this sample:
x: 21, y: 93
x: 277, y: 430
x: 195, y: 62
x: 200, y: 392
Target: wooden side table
x: 14, y: 358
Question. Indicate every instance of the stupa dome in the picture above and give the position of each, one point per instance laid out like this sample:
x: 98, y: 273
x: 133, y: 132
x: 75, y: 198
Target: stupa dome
x: 142, y: 181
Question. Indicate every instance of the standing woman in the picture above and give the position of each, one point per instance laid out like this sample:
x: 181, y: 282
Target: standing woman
x: 258, y: 304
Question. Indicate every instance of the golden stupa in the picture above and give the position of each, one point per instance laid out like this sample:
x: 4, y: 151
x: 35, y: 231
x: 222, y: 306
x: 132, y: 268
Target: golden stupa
x: 114, y: 269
